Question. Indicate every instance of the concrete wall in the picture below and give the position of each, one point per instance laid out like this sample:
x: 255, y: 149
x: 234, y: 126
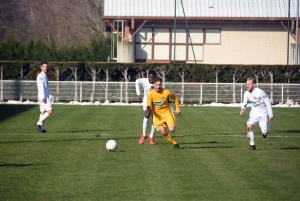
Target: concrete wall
x: 242, y: 42
x: 125, y: 52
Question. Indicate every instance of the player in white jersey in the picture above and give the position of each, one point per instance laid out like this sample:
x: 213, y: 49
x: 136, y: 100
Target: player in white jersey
x: 43, y: 97
x: 261, y: 110
x: 147, y: 85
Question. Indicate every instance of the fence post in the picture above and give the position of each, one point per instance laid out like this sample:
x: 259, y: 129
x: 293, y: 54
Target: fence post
x: 241, y: 93
x: 282, y: 93
x: 217, y: 92
x: 80, y: 91
x: 121, y: 95
x: 1, y: 88
x: 201, y: 93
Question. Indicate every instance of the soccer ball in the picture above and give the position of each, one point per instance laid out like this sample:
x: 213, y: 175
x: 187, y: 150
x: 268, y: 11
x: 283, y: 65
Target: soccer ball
x: 111, y: 145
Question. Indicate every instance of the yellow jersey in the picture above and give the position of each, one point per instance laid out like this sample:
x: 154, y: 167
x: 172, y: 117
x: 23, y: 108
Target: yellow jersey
x: 159, y: 101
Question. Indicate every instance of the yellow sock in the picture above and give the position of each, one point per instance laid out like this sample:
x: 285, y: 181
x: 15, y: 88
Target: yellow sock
x: 169, y: 138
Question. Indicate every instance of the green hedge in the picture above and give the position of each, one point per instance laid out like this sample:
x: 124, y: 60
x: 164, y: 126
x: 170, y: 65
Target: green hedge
x: 17, y: 60
x: 192, y: 72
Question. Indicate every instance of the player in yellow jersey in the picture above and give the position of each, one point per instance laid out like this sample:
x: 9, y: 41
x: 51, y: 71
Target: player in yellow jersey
x: 158, y: 101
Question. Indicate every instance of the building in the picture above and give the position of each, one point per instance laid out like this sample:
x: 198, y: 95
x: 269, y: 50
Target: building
x: 203, y: 31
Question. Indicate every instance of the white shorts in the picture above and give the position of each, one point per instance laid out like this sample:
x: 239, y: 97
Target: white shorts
x: 263, y: 121
x: 144, y: 104
x: 45, y: 106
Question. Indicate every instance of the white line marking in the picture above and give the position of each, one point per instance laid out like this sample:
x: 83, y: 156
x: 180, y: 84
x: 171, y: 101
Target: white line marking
x: 105, y: 134
x: 269, y: 136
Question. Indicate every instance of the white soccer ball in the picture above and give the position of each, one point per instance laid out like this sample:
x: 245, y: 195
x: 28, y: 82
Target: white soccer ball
x: 111, y: 145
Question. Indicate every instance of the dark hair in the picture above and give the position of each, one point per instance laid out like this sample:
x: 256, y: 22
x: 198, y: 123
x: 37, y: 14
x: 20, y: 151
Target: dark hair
x: 152, y: 72
x: 156, y: 79
x: 44, y: 62
x: 253, y: 79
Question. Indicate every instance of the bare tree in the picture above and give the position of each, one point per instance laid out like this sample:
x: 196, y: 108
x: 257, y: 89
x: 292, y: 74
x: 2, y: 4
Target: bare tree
x: 162, y: 72
x: 141, y: 73
x: 106, y: 86
x: 235, y: 78
x: 256, y: 72
x: 76, y: 73
x: 93, y: 71
x: 67, y: 22
x: 92, y: 18
x: 12, y: 18
x: 269, y: 73
x: 126, y: 78
x: 182, y: 75
x: 289, y: 72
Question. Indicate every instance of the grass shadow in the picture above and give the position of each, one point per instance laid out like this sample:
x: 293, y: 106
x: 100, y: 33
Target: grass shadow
x: 8, y: 111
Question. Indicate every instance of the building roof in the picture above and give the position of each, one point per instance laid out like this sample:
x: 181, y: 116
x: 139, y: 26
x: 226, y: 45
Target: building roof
x: 200, y: 9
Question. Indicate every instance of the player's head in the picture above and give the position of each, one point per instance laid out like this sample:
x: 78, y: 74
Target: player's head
x: 44, y: 66
x: 151, y: 76
x: 157, y: 83
x: 251, y: 83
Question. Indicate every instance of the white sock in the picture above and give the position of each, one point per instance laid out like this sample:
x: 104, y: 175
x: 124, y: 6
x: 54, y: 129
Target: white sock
x: 42, y: 118
x: 145, y: 123
x: 152, y: 131
x: 250, y: 136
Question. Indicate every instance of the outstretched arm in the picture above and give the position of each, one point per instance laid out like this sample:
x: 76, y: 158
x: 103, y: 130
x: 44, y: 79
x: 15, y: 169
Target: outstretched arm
x: 269, y: 106
x: 176, y: 100
x: 137, y: 89
x: 244, y: 104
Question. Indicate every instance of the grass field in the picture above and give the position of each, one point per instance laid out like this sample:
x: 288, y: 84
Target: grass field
x: 70, y: 162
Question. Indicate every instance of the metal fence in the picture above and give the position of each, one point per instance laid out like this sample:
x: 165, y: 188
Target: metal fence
x: 199, y: 93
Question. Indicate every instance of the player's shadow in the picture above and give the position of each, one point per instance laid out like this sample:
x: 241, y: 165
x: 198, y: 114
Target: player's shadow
x: 212, y: 142
x: 49, y: 141
x: 206, y: 147
x: 212, y: 147
x: 19, y: 165
x: 80, y: 131
x: 290, y: 148
x: 177, y: 136
x: 286, y: 131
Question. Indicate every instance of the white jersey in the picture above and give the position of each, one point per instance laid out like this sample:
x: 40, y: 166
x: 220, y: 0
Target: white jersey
x: 42, y: 85
x: 260, y: 102
x: 146, y: 86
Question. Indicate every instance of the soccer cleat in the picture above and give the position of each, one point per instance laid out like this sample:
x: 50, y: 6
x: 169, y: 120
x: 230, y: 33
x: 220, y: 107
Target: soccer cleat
x: 252, y: 147
x: 176, y: 146
x: 264, y: 136
x: 142, y: 139
x: 43, y: 129
x: 152, y: 141
x: 38, y: 127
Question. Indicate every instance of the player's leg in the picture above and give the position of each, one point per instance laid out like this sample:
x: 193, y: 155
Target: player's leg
x: 145, y: 123
x: 42, y: 110
x: 152, y: 132
x: 250, y: 135
x: 170, y: 121
x: 264, y: 124
x: 46, y: 111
